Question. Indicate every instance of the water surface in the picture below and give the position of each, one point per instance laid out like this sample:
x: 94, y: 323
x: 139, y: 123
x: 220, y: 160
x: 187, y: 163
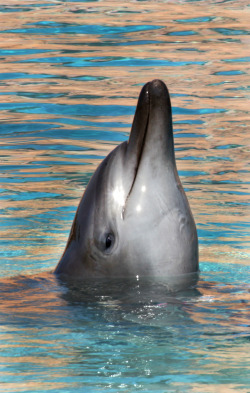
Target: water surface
x: 70, y: 75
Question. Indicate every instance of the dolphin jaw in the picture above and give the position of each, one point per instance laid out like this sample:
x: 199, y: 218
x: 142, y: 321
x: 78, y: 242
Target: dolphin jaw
x: 153, y: 97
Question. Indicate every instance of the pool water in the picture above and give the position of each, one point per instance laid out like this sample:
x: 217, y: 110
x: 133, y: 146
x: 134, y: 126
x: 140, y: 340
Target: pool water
x: 70, y: 75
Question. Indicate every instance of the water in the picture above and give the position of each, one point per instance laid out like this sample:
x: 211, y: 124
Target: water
x: 70, y: 75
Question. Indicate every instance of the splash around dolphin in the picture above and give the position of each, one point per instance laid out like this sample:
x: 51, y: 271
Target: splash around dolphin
x: 134, y: 218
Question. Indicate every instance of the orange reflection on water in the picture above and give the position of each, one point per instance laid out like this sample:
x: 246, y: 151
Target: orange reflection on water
x: 199, y: 49
x: 202, y: 47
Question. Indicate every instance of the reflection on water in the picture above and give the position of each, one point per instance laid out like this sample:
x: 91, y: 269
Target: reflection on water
x: 126, y: 336
x: 70, y: 74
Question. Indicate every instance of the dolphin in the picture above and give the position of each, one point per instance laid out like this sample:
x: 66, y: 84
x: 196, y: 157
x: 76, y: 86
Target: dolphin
x: 134, y: 218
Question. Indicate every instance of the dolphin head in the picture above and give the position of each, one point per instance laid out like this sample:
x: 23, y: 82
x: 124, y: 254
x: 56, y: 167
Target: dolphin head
x: 134, y: 218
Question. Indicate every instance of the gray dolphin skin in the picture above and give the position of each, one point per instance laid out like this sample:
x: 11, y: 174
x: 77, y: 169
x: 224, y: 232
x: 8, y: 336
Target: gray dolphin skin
x: 134, y: 218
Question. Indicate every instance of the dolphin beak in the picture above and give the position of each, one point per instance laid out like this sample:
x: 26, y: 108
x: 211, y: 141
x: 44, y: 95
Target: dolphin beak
x: 151, y: 134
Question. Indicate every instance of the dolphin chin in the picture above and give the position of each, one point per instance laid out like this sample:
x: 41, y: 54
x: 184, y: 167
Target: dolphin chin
x: 134, y: 218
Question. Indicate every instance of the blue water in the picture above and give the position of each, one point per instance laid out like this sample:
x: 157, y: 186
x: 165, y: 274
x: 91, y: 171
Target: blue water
x: 70, y: 75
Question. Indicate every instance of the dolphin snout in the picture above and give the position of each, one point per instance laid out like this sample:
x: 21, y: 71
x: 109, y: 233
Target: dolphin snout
x: 157, y: 86
x: 159, y: 98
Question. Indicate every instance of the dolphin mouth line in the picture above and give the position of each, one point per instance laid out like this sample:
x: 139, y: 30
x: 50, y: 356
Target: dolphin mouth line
x: 140, y: 153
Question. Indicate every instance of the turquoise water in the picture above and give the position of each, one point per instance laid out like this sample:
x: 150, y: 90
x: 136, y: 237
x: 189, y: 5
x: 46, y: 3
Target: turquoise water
x: 70, y: 75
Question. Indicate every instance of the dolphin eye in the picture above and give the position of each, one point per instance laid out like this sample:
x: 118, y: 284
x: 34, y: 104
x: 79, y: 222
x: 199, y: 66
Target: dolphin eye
x: 109, y: 241
x: 106, y: 242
